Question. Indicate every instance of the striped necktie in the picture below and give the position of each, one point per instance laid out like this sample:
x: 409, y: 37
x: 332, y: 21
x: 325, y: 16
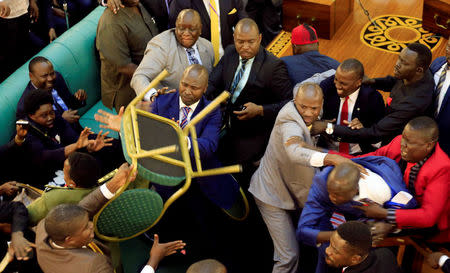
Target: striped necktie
x: 438, y: 89
x: 215, y: 33
x: 236, y: 81
x: 185, y: 113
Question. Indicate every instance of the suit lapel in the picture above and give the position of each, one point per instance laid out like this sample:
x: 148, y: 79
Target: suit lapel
x: 444, y: 102
x: 174, y: 108
x: 231, y: 69
x: 182, y: 55
x: 257, y: 63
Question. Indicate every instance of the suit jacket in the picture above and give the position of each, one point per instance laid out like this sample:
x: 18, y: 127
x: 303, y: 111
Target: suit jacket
x: 443, y: 118
x: 268, y: 85
x: 284, y: 175
x: 432, y: 188
x: 231, y: 11
x: 74, y: 260
x: 405, y: 103
x: 164, y: 52
x: 369, y: 108
x: 318, y: 208
x: 61, y: 87
x: 222, y: 190
x: 379, y: 260
x: 446, y: 266
x: 158, y: 9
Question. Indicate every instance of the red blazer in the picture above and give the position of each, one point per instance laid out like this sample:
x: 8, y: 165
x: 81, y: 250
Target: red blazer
x: 432, y: 188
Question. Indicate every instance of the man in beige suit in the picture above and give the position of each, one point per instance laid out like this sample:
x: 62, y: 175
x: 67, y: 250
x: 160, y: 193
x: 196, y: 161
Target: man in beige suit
x: 282, y: 181
x: 174, y: 50
x: 62, y: 237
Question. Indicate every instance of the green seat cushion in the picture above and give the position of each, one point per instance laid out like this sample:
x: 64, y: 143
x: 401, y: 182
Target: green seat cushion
x: 87, y: 120
x: 133, y: 211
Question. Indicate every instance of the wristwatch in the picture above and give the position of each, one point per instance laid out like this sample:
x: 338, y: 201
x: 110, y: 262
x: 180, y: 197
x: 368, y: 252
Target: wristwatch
x: 329, y: 129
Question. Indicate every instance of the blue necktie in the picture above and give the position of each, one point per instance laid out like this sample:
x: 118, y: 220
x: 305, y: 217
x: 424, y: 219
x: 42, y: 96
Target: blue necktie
x: 236, y: 81
x: 184, y: 118
x: 58, y: 101
x: 191, y: 56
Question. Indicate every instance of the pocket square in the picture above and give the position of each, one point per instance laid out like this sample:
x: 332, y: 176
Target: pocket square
x: 233, y: 11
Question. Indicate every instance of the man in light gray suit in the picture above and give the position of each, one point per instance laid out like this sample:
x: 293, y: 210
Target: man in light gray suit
x: 174, y: 50
x: 282, y: 181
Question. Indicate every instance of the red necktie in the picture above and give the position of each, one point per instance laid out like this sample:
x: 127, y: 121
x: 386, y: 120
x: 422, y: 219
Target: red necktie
x: 343, y: 146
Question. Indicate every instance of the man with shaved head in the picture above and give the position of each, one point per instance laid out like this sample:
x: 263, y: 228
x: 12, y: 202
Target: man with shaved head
x: 259, y: 87
x: 207, y: 266
x: 282, y: 181
x: 174, y: 50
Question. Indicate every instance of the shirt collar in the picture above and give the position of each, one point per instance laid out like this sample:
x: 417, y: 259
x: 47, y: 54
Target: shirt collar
x: 353, y: 96
x: 193, y: 47
x: 192, y: 106
x: 249, y: 61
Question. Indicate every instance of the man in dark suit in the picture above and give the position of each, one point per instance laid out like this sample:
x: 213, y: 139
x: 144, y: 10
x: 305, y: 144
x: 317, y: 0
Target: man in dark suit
x: 43, y: 76
x: 441, y: 106
x: 260, y: 86
x: 350, y: 103
x: 350, y: 250
x: 410, y: 97
x: 229, y: 12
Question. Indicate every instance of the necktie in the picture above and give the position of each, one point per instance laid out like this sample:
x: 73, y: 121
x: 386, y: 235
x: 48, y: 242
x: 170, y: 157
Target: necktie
x: 191, y: 56
x: 343, y: 146
x: 438, y: 89
x: 59, y: 103
x: 215, y: 34
x: 184, y: 118
x: 236, y: 80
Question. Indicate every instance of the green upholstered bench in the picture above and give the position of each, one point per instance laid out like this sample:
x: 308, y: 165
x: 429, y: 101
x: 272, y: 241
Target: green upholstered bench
x: 73, y: 54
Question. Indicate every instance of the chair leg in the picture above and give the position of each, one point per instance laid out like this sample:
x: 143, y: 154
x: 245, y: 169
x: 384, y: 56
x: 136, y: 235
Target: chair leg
x: 400, y: 253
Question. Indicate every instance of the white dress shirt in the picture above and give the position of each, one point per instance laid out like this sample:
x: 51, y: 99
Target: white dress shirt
x: 445, y: 86
x: 206, y: 3
x: 354, y: 147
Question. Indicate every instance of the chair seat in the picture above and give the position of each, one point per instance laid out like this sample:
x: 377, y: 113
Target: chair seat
x: 130, y: 213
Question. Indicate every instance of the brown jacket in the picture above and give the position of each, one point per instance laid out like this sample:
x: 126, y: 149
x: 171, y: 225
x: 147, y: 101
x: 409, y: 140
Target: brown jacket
x: 75, y: 260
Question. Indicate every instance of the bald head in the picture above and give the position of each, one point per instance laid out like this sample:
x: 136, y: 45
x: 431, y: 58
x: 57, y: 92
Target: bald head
x: 310, y: 90
x: 344, y: 177
x: 246, y: 25
x: 189, y: 15
x: 207, y: 266
x: 193, y: 84
x: 197, y: 71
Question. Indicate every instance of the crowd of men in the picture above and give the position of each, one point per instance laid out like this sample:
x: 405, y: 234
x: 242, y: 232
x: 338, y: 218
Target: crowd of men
x: 328, y: 165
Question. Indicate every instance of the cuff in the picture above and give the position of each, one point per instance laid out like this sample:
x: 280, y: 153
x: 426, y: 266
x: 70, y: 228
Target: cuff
x: 391, y: 218
x: 106, y: 193
x: 317, y: 159
x: 148, y: 269
x: 149, y: 94
x: 442, y: 260
x: 104, y: 3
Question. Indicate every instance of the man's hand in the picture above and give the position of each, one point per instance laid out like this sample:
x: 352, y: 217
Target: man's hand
x: 34, y: 10
x: 318, y: 127
x: 433, y: 259
x: 83, y: 140
x: 9, y: 188
x: 334, y: 160
x: 354, y: 124
x: 162, y: 91
x: 108, y: 120
x: 71, y: 116
x: 120, y: 178
x: 4, y: 10
x: 81, y: 95
x: 379, y: 231
x: 114, y: 5
x: 21, y: 246
x: 159, y: 251
x: 250, y: 111
x: 58, y: 12
x: 373, y: 211
x: 52, y: 34
x: 99, y: 142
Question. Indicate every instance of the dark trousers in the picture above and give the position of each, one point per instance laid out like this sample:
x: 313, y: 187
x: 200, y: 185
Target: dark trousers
x: 14, y: 46
x: 268, y: 18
